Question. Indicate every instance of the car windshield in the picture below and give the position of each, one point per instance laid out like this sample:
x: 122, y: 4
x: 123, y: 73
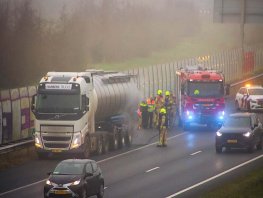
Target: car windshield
x: 69, y: 168
x: 58, y: 103
x: 237, y: 122
x: 205, y: 89
x: 255, y: 91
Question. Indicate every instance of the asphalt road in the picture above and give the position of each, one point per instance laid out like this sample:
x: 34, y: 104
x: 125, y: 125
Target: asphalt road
x: 188, y: 167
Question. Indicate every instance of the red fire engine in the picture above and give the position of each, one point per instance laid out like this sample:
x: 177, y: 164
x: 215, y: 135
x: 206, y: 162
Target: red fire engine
x: 201, y: 97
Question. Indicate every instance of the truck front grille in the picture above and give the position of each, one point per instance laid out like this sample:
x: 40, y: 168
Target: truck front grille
x: 60, y: 138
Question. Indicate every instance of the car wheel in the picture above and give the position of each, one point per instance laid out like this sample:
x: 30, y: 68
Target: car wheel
x: 250, y: 149
x: 218, y: 149
x: 259, y: 146
x: 84, y: 193
x: 101, y: 191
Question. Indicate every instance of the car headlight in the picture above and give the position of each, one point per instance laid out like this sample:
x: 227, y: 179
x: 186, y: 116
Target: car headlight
x: 76, y: 142
x: 48, y: 183
x: 38, y: 142
x: 218, y: 133
x: 247, y: 134
x: 75, y: 183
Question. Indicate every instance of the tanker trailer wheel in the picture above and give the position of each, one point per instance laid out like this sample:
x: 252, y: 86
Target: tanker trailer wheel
x: 106, y: 144
x: 86, y: 148
x: 128, y: 139
x: 99, y: 145
x: 122, y: 142
x: 115, y: 141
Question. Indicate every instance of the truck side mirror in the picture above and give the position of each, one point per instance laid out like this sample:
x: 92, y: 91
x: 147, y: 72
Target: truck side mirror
x: 227, y: 89
x: 33, y: 103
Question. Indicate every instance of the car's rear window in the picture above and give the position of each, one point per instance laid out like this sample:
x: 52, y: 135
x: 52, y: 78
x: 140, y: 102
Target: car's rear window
x: 69, y: 168
x: 237, y: 122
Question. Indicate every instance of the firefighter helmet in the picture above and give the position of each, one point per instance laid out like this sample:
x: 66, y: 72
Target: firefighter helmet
x: 167, y: 93
x: 163, y: 111
x: 159, y: 92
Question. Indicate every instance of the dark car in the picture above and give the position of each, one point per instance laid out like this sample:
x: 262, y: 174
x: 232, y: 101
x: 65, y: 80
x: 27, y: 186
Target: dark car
x: 240, y: 130
x: 75, y: 178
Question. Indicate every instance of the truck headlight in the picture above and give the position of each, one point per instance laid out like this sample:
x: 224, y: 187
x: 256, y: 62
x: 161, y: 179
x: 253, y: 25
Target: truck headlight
x: 221, y: 115
x: 76, y: 142
x: 189, y: 115
x: 247, y: 134
x: 38, y: 142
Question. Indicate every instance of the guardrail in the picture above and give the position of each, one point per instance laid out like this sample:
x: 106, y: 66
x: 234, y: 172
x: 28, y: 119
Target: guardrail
x: 18, y: 145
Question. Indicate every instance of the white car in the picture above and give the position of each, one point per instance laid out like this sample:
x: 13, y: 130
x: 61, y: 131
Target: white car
x: 249, y: 98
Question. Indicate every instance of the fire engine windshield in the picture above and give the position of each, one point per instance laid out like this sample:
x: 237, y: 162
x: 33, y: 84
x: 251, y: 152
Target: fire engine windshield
x: 58, y: 103
x: 205, y: 89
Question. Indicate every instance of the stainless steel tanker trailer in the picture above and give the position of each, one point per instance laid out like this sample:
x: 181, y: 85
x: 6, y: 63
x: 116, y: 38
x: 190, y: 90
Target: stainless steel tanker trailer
x: 84, y: 112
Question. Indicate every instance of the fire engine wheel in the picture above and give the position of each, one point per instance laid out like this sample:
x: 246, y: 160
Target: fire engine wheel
x: 186, y: 126
x: 99, y: 145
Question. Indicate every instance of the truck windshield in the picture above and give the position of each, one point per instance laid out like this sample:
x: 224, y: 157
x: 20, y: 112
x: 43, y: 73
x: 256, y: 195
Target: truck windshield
x: 205, y: 89
x: 60, y: 103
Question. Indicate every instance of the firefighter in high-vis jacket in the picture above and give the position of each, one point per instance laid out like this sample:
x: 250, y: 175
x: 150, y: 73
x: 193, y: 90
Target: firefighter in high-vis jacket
x: 162, y: 125
x: 159, y: 102
x: 168, y: 104
x: 151, y: 109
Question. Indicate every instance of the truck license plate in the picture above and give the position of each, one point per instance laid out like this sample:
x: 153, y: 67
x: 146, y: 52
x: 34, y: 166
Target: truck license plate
x: 56, y: 150
x: 232, y: 141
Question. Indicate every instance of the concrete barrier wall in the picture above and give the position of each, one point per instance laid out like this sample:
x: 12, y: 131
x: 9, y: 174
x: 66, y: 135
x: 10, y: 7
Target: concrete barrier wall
x: 17, y: 120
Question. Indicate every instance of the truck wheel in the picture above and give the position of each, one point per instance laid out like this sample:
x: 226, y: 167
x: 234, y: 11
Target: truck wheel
x: 106, y: 144
x: 86, y: 149
x: 122, y: 140
x: 115, y: 141
x: 99, y: 145
x: 128, y: 139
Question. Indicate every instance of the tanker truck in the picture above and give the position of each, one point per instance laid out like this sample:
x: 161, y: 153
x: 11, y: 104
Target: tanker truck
x: 84, y: 112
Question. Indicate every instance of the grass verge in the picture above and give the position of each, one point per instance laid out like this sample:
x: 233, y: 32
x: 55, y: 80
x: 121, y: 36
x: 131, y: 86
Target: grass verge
x: 247, y: 186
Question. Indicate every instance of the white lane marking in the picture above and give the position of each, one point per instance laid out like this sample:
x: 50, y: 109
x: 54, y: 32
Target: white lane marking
x: 196, y: 153
x: 152, y: 169
x: 29, y: 185
x: 214, y: 177
x: 140, y: 148
x: 107, y: 159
